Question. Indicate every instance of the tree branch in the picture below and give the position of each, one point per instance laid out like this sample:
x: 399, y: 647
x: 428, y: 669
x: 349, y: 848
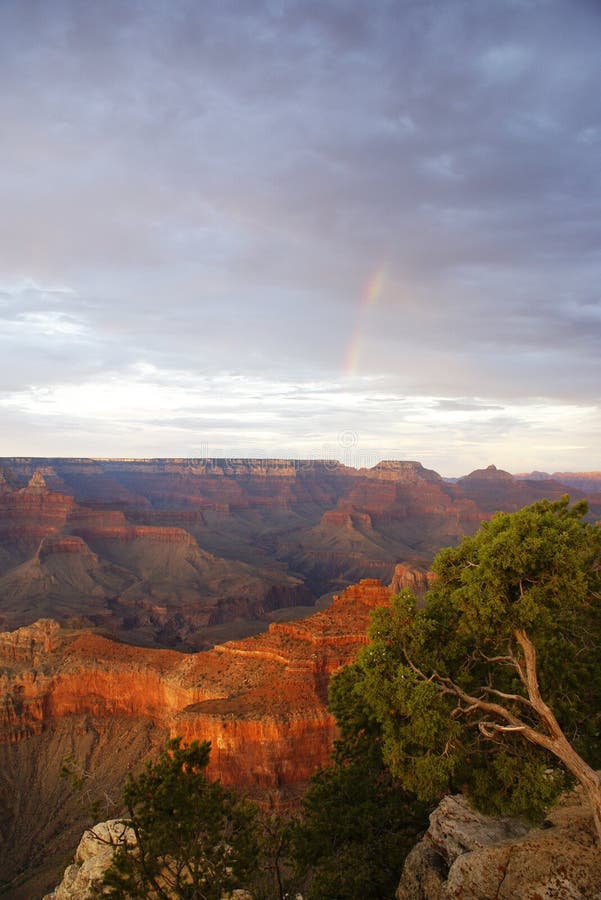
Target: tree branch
x: 493, y: 659
x: 449, y: 687
x: 517, y: 698
x: 532, y: 686
x: 494, y: 726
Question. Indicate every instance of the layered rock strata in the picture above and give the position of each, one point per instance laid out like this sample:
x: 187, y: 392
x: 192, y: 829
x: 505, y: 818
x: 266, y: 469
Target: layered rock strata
x: 417, y: 579
x: 150, y: 582
x: 261, y: 701
x: 166, y: 552
x: 72, y: 694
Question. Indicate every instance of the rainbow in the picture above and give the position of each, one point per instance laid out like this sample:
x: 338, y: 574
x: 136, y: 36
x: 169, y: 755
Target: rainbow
x: 369, y: 297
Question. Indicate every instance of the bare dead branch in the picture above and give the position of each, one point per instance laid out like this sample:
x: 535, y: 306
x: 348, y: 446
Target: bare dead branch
x: 503, y: 729
x: 517, y: 698
x: 493, y: 659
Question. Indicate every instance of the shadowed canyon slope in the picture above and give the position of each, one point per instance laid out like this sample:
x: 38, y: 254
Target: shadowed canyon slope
x: 260, y: 701
x: 187, y: 553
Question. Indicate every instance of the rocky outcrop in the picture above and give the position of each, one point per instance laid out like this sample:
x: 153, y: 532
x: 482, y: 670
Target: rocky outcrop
x: 83, y: 878
x: 412, y: 578
x: 402, y: 471
x: 30, y: 644
x: 349, y: 519
x: 31, y: 513
x: 467, y: 855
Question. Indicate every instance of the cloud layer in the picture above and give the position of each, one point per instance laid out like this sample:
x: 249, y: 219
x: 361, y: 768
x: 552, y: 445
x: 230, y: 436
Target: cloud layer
x: 197, y: 197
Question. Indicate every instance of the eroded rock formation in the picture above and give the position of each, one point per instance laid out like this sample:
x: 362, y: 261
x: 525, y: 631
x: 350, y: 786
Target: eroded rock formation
x: 150, y: 582
x: 413, y: 578
x: 83, y: 878
x: 266, y: 694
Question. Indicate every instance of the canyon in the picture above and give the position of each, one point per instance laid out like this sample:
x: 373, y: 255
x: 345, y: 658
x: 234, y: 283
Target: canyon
x: 463, y: 854
x: 115, y: 573
x: 187, y: 553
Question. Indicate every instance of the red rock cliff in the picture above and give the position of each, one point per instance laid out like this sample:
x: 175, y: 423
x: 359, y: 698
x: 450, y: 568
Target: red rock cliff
x: 260, y: 701
x: 32, y: 513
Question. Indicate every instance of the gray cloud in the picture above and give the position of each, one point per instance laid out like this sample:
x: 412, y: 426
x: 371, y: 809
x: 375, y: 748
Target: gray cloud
x: 208, y: 188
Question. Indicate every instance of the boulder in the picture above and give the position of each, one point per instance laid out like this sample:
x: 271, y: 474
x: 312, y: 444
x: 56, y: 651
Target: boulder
x: 83, y: 879
x: 93, y: 856
x: 467, y: 855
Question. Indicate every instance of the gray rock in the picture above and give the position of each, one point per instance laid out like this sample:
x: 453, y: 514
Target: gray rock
x: 83, y: 879
x: 92, y: 858
x: 474, y: 857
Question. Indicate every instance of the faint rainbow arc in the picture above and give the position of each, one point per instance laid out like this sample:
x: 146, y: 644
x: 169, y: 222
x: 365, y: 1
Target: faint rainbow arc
x: 369, y: 298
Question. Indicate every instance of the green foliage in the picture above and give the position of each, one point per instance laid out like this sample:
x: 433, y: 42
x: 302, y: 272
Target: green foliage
x: 523, y: 785
x: 536, y: 571
x: 358, y: 824
x: 194, y: 838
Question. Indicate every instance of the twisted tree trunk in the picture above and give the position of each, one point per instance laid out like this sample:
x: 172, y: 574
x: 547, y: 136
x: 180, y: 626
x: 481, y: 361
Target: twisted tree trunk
x: 556, y: 741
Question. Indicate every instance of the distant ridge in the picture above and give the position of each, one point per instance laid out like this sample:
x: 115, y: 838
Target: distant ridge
x: 583, y: 481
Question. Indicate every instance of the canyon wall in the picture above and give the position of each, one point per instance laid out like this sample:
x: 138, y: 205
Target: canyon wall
x: 69, y: 694
x: 261, y: 701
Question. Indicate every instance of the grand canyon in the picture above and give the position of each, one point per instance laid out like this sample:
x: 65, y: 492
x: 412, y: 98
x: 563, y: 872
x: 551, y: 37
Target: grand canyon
x: 185, y: 553
x: 241, y: 242
x: 210, y: 599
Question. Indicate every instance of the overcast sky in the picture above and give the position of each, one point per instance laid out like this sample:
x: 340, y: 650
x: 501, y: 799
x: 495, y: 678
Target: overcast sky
x: 327, y: 228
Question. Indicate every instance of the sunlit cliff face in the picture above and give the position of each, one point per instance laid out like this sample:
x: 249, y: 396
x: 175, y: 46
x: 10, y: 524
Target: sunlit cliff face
x: 261, y: 701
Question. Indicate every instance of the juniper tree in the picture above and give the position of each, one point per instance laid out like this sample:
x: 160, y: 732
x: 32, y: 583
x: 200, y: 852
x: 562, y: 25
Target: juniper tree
x: 194, y: 839
x: 495, y: 686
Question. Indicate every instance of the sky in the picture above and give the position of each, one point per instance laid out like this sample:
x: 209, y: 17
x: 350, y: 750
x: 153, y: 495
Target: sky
x: 351, y: 229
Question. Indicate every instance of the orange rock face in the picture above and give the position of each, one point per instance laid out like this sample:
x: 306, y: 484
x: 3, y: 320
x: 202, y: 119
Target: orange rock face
x: 260, y: 701
x: 29, y: 514
x: 412, y: 578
